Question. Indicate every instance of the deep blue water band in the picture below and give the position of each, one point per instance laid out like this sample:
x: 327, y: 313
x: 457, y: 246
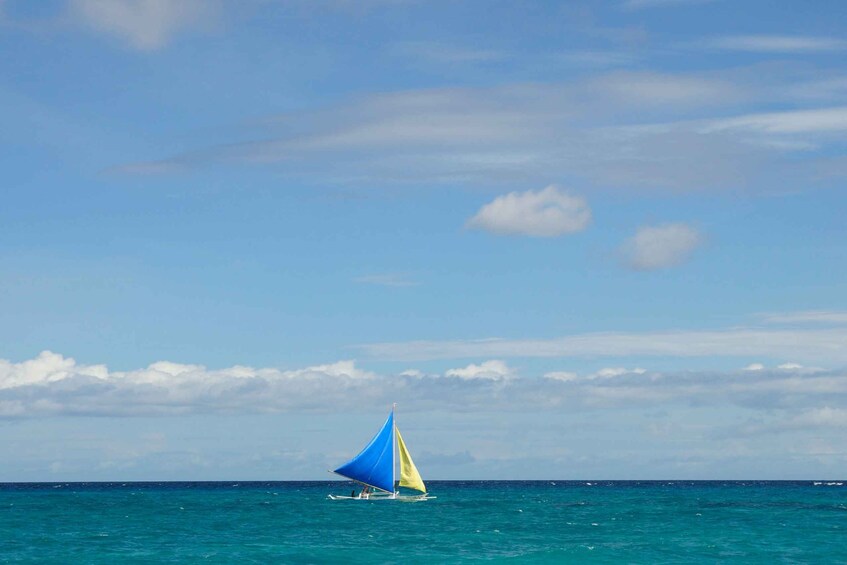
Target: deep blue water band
x: 538, y: 521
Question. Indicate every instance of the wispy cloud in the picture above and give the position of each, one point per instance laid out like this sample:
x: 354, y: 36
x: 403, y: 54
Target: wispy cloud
x: 808, y: 316
x: 824, y: 417
x: 812, y: 345
x: 660, y: 247
x: 818, y: 120
x: 826, y: 88
x: 652, y: 89
x: 445, y: 53
x: 688, y: 131
x: 821, y: 417
x: 546, y: 213
x: 776, y: 43
x: 521, y: 132
x: 741, y: 147
x: 145, y: 25
x: 596, y: 58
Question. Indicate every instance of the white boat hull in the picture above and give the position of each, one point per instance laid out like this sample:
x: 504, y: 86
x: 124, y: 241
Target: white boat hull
x: 386, y: 496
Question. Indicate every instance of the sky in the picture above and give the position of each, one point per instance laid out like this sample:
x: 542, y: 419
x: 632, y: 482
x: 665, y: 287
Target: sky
x: 571, y: 240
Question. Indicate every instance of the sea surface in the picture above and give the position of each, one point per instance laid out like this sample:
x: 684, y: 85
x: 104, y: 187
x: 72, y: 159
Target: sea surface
x: 526, y: 522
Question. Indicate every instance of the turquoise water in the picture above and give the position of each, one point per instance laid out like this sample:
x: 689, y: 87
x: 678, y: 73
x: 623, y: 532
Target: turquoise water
x: 539, y: 521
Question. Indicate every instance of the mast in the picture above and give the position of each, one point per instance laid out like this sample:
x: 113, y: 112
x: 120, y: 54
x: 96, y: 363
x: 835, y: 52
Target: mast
x: 393, y: 450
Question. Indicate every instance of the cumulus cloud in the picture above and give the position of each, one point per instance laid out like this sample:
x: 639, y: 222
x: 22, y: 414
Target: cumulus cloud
x: 546, y: 213
x: 145, y: 25
x: 490, y: 370
x: 612, y: 372
x: 605, y: 373
x: 563, y: 376
x: 54, y: 385
x: 754, y: 367
x: 660, y: 247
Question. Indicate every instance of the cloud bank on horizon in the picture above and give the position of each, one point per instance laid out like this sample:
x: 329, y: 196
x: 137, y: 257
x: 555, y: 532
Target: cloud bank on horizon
x: 53, y: 385
x: 690, y: 424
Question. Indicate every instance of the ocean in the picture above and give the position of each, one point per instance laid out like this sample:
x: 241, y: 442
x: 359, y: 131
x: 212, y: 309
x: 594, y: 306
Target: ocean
x: 516, y: 521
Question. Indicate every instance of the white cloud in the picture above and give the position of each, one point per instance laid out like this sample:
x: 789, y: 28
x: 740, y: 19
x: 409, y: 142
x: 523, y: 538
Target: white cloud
x: 602, y: 374
x: 662, y: 246
x: 754, y: 367
x: 612, y: 372
x: 805, y: 131
x: 513, y: 134
x: 145, y: 25
x: 546, y: 213
x: 493, y: 370
x: 341, y: 369
x: 819, y: 120
x: 817, y: 345
x: 790, y: 366
x: 53, y: 385
x: 777, y: 43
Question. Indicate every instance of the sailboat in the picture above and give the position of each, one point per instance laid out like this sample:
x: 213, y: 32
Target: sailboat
x: 375, y: 468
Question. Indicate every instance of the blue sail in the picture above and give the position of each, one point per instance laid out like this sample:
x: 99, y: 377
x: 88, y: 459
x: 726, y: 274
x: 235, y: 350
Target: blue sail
x: 374, y: 466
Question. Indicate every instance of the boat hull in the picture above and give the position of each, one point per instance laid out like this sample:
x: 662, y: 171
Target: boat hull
x: 400, y: 497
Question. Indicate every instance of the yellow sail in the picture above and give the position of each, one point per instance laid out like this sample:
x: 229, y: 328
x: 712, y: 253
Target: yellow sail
x: 409, y: 476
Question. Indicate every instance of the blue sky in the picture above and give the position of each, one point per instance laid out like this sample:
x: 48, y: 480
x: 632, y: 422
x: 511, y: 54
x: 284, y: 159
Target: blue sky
x: 571, y: 240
